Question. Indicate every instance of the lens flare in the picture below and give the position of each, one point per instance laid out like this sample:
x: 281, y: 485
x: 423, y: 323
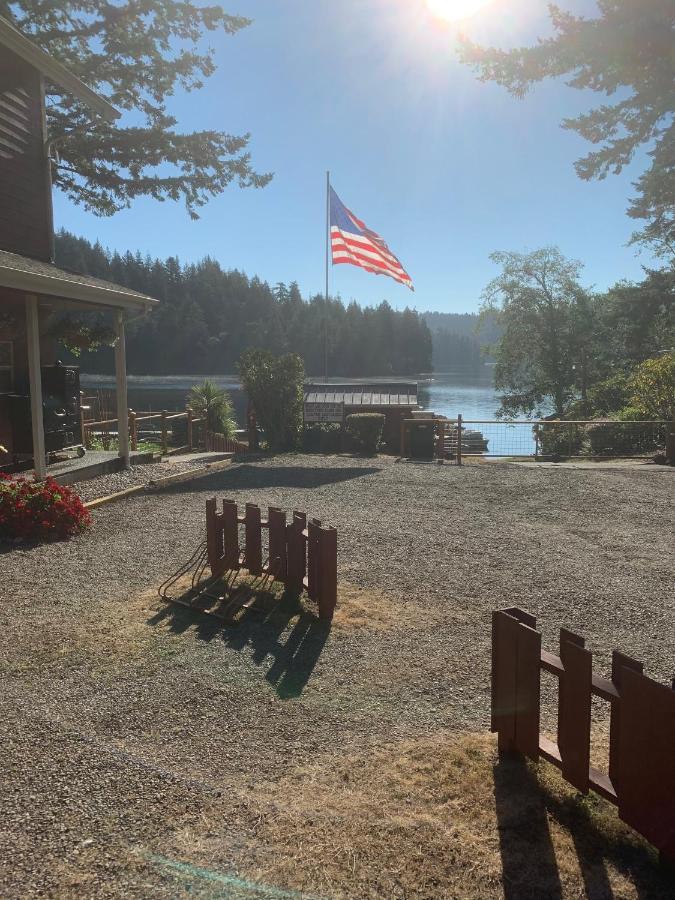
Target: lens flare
x: 456, y: 10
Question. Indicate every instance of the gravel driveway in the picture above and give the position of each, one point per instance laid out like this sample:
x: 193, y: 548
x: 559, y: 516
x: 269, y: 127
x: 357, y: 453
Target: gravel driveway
x: 125, y: 720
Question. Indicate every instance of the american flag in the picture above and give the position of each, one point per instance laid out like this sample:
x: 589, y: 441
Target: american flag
x: 353, y: 243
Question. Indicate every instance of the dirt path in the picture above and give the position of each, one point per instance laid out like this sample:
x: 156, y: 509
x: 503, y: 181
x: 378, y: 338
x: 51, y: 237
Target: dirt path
x: 140, y: 738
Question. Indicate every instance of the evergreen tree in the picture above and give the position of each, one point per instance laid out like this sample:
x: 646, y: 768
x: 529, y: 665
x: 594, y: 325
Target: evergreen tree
x: 137, y: 54
x: 625, y: 53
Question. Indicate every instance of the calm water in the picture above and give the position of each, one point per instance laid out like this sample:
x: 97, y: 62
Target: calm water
x: 448, y: 393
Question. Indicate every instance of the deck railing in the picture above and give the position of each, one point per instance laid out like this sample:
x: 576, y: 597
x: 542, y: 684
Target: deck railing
x: 159, y: 429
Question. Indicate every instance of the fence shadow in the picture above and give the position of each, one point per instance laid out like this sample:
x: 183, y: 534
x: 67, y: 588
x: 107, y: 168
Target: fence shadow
x: 247, y: 476
x: 258, y: 620
x: 530, y: 869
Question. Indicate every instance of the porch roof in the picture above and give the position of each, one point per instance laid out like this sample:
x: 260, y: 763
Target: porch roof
x: 32, y: 276
x: 12, y: 38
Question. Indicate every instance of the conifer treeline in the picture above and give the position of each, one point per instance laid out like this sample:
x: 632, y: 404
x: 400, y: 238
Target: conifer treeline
x: 208, y: 317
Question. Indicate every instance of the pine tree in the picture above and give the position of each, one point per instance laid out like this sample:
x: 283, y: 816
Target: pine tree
x: 137, y: 54
x: 625, y: 53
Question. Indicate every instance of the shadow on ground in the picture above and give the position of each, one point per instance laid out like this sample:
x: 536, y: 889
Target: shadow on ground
x: 530, y: 868
x: 259, y: 620
x: 248, y: 476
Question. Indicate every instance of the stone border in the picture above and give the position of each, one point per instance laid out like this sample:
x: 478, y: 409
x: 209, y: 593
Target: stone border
x: 159, y: 483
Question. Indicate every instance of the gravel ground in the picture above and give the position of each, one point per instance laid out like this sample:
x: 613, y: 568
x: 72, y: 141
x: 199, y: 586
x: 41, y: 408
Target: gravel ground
x: 114, y: 482
x: 127, y: 721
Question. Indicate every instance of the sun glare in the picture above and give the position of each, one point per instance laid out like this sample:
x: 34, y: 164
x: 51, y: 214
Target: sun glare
x: 456, y: 10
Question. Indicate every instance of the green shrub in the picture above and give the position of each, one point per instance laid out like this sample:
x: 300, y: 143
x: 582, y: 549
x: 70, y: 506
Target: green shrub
x: 322, y: 437
x: 623, y: 438
x: 213, y: 405
x: 558, y: 439
x: 365, y: 430
x: 274, y: 385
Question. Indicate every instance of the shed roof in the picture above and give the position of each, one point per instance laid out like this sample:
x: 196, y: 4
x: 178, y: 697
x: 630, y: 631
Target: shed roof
x: 11, y: 37
x: 368, y: 395
x: 32, y: 276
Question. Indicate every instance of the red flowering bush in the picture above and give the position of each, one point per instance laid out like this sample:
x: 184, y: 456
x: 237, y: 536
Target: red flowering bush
x: 39, y: 510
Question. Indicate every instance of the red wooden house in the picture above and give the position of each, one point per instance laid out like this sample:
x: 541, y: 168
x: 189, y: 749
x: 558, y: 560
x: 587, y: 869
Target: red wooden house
x: 32, y: 288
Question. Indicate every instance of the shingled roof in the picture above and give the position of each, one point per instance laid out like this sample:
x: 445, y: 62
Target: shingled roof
x: 396, y: 393
x: 32, y: 276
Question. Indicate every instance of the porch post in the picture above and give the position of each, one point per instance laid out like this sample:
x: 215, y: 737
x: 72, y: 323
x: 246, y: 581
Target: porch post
x: 35, y: 381
x: 122, y: 402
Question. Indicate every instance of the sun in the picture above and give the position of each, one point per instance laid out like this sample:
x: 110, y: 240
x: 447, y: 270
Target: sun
x: 455, y: 10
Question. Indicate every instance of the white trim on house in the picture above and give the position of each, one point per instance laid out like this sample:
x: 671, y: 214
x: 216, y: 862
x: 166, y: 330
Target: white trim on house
x: 57, y: 284
x: 12, y: 38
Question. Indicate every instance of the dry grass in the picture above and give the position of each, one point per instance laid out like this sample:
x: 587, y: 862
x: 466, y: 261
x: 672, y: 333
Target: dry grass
x: 357, y: 608
x: 436, y: 817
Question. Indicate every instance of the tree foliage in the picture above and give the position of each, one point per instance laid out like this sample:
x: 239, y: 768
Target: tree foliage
x: 137, y: 53
x: 653, y: 387
x: 625, y: 53
x: 207, y: 317
x: 540, y: 306
x: 274, y: 386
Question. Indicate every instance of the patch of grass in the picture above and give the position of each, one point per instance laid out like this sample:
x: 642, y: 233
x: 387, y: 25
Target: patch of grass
x: 442, y: 816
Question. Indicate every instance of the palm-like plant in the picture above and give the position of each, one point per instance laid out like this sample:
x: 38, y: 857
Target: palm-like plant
x: 213, y: 405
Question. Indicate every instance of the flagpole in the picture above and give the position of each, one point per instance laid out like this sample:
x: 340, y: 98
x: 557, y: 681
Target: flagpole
x: 325, y: 312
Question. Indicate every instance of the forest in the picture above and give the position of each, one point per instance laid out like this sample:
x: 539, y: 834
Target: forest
x: 209, y: 316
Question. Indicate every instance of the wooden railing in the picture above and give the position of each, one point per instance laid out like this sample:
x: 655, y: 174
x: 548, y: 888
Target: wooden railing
x: 196, y: 434
x: 641, y: 773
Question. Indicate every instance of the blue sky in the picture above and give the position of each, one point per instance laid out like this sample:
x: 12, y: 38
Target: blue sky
x: 445, y: 168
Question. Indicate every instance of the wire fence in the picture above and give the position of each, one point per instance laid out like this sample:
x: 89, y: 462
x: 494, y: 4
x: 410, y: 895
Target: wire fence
x: 543, y: 439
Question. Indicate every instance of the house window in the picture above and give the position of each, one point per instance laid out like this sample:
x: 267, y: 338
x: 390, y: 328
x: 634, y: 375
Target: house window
x: 6, y: 366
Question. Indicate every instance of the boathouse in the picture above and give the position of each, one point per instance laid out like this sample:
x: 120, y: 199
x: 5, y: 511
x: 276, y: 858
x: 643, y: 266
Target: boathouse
x: 325, y: 402
x: 39, y: 400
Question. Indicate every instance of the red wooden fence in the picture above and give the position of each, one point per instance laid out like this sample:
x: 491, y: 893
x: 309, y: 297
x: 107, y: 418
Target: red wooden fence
x: 641, y: 776
x: 219, y: 443
x: 301, y: 554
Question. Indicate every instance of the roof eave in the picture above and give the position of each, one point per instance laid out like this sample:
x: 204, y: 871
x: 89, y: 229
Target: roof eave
x: 12, y: 38
x: 53, y: 286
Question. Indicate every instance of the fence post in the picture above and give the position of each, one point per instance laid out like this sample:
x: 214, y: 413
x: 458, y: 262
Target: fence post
x: 574, y: 709
x: 252, y: 529
x: 133, y: 430
x: 327, y: 572
x: 277, y: 542
x: 569, y: 443
x: 313, y: 558
x: 189, y: 428
x: 295, y: 543
x: 403, y: 437
x: 459, y: 439
x: 440, y: 439
x: 165, y: 438
x: 536, y: 442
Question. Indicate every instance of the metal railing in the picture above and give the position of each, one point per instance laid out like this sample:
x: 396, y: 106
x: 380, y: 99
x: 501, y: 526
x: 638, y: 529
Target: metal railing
x: 541, y: 439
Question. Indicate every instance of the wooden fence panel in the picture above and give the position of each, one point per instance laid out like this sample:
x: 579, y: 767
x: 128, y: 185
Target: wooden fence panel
x: 313, y: 537
x: 642, y: 737
x: 646, y: 760
x: 574, y: 709
x: 295, y: 544
x: 327, y: 572
x: 214, y: 539
x: 528, y: 682
x: 253, y: 539
x: 277, y: 543
x: 619, y: 662
x: 231, y: 534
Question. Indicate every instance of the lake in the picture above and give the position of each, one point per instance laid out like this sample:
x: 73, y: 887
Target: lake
x: 446, y: 393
